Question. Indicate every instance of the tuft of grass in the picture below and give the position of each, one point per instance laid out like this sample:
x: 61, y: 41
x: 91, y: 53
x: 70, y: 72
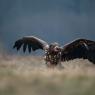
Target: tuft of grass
x: 20, y: 75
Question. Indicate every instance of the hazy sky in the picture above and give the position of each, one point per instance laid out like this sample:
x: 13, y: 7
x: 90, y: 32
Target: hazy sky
x: 51, y: 20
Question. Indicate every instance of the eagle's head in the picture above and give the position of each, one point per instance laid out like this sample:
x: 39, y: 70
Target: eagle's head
x: 54, y: 48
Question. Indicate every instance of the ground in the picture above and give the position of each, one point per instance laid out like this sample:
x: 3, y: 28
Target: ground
x: 28, y: 75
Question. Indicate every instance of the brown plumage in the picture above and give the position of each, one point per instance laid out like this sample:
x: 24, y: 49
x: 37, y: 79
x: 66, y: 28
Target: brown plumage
x: 80, y: 48
x: 54, y: 54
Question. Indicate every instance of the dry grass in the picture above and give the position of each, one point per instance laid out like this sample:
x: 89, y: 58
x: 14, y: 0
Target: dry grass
x: 29, y: 76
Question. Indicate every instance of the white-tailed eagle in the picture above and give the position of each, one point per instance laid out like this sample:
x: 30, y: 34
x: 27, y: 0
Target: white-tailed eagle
x: 54, y: 54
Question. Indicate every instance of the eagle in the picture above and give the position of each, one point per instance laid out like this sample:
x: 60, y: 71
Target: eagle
x: 54, y: 53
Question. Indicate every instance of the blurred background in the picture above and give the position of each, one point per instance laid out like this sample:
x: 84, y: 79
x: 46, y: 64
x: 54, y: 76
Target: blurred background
x: 51, y: 20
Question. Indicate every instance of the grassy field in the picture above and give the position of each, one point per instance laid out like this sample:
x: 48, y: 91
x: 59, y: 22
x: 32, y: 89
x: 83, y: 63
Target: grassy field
x: 29, y: 76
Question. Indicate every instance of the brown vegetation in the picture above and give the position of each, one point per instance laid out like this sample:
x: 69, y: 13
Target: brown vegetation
x: 21, y: 75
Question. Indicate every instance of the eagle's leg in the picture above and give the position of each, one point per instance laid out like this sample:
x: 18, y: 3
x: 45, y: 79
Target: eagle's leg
x: 47, y: 58
x: 49, y: 61
x: 55, y: 59
x: 58, y: 60
x: 52, y: 60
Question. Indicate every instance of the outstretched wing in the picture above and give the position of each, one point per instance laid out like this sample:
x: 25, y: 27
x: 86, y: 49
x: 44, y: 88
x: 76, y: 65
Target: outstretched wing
x: 30, y: 42
x: 80, y: 48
